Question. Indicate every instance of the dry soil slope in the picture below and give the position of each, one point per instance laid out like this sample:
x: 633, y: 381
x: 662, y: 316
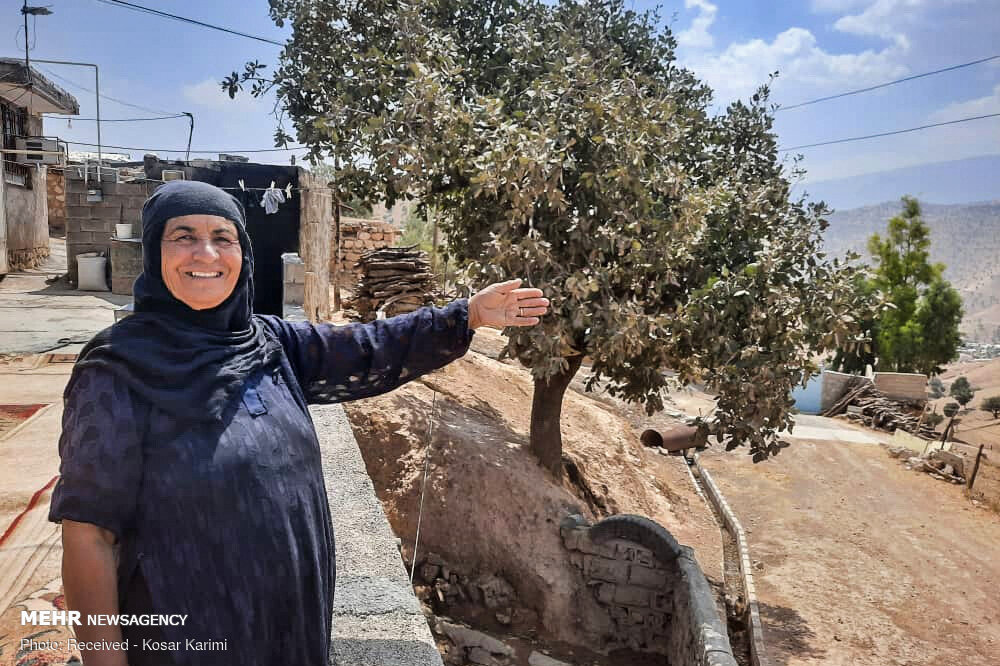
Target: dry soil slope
x: 489, y: 507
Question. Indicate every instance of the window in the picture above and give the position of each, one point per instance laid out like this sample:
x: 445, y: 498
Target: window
x: 15, y: 124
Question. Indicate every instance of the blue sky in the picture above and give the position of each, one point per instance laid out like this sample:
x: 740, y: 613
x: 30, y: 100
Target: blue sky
x: 820, y: 47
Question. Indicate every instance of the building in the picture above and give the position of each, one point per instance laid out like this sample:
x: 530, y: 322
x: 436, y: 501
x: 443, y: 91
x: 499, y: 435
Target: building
x: 24, y: 223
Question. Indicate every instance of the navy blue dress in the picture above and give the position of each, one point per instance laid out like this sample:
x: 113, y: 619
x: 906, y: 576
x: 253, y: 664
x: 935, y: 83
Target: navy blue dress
x: 229, y: 523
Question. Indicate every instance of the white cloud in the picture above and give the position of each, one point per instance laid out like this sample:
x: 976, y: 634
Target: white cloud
x: 881, y: 19
x: 209, y: 94
x: 980, y: 106
x: 697, y: 36
x: 836, y: 6
x: 738, y: 70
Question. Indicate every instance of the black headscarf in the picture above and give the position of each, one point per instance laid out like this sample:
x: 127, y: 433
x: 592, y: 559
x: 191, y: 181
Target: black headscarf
x: 189, y: 363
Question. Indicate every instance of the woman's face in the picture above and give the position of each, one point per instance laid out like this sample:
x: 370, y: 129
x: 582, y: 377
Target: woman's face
x: 200, y: 259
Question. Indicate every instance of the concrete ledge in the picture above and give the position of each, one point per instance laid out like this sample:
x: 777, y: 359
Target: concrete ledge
x: 376, y: 617
x: 758, y: 657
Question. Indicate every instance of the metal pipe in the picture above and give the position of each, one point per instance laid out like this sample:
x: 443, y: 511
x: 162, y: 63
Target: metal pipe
x: 97, y: 93
x: 677, y: 438
x: 187, y: 155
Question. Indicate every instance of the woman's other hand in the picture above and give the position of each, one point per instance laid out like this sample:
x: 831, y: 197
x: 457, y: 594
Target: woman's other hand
x: 504, y: 304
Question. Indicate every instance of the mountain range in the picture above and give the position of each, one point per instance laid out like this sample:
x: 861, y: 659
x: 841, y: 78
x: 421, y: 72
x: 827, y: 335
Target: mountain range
x: 964, y: 237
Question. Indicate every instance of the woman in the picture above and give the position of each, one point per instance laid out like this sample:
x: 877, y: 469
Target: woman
x: 191, y: 481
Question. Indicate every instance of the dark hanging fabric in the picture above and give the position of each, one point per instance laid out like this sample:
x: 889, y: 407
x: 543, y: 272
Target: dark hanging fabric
x: 189, y: 363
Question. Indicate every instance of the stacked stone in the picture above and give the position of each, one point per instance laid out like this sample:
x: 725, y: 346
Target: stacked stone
x: 56, y: 183
x: 396, y: 279
x: 358, y: 236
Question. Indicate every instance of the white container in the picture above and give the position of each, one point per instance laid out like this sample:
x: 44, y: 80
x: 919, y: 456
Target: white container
x: 90, y: 273
x: 123, y: 231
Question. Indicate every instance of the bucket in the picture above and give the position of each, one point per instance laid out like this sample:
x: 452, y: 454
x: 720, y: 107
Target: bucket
x: 123, y: 230
x: 90, y: 273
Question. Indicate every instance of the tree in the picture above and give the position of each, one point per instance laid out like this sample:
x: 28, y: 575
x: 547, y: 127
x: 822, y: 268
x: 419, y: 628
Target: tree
x: 561, y: 142
x: 919, y: 333
x: 961, y: 391
x: 936, y: 387
x: 992, y: 405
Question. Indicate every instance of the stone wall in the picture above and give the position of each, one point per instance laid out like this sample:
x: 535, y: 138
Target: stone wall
x: 27, y: 222
x: 904, y: 386
x: 56, y: 196
x: 358, y: 236
x: 650, y: 597
x: 90, y: 225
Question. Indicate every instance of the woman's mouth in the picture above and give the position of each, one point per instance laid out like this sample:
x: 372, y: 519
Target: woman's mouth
x: 204, y: 274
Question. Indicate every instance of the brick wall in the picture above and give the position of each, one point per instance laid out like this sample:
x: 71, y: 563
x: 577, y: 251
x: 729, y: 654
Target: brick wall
x: 358, y: 236
x: 90, y: 225
x: 56, y: 182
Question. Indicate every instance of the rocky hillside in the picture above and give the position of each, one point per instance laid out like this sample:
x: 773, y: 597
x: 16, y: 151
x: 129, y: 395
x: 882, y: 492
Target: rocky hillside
x: 964, y: 237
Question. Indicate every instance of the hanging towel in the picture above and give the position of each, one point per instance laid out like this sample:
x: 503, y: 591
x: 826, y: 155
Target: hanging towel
x: 271, y: 199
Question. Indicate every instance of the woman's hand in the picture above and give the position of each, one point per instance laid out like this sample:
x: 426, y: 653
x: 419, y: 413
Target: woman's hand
x: 503, y: 304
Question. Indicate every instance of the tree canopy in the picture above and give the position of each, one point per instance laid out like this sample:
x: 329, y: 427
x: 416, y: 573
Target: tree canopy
x: 918, y: 331
x: 961, y: 390
x: 561, y: 142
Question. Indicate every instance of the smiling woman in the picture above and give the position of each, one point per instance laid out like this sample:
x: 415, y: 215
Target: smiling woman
x: 200, y: 259
x: 191, y: 479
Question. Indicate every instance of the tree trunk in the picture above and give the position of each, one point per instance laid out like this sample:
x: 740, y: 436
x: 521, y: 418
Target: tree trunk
x: 546, y: 408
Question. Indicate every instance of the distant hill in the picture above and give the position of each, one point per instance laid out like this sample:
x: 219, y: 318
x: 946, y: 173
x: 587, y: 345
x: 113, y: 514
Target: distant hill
x: 959, y: 181
x: 964, y: 237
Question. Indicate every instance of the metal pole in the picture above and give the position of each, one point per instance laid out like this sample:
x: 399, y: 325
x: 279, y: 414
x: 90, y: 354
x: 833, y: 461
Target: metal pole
x: 97, y: 92
x: 27, y: 63
x: 97, y: 96
x: 187, y: 155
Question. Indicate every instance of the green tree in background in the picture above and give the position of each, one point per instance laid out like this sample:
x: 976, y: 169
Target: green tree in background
x: 936, y: 387
x: 918, y: 332
x: 991, y: 405
x: 961, y: 390
x: 560, y: 142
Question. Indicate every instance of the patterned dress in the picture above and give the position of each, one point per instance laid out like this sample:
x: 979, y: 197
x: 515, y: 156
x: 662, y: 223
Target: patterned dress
x: 228, y: 522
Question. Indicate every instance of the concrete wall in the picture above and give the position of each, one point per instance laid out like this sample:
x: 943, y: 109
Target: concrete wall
x: 376, y: 617
x: 648, y: 600
x: 902, y: 385
x: 56, y: 197
x: 27, y: 222
x: 90, y: 225
x: 834, y: 384
x: 358, y: 236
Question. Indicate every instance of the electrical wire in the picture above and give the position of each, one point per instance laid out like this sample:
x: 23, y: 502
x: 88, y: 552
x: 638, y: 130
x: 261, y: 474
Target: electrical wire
x: 107, y: 97
x: 880, y: 134
x: 885, y: 85
x: 184, y: 19
x: 182, y: 150
x: 116, y: 120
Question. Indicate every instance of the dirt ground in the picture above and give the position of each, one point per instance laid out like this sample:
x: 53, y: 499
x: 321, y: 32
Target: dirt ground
x: 863, y: 562
x: 489, y: 507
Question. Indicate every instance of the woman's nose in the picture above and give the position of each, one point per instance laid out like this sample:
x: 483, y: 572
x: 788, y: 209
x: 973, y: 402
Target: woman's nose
x: 205, y: 251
